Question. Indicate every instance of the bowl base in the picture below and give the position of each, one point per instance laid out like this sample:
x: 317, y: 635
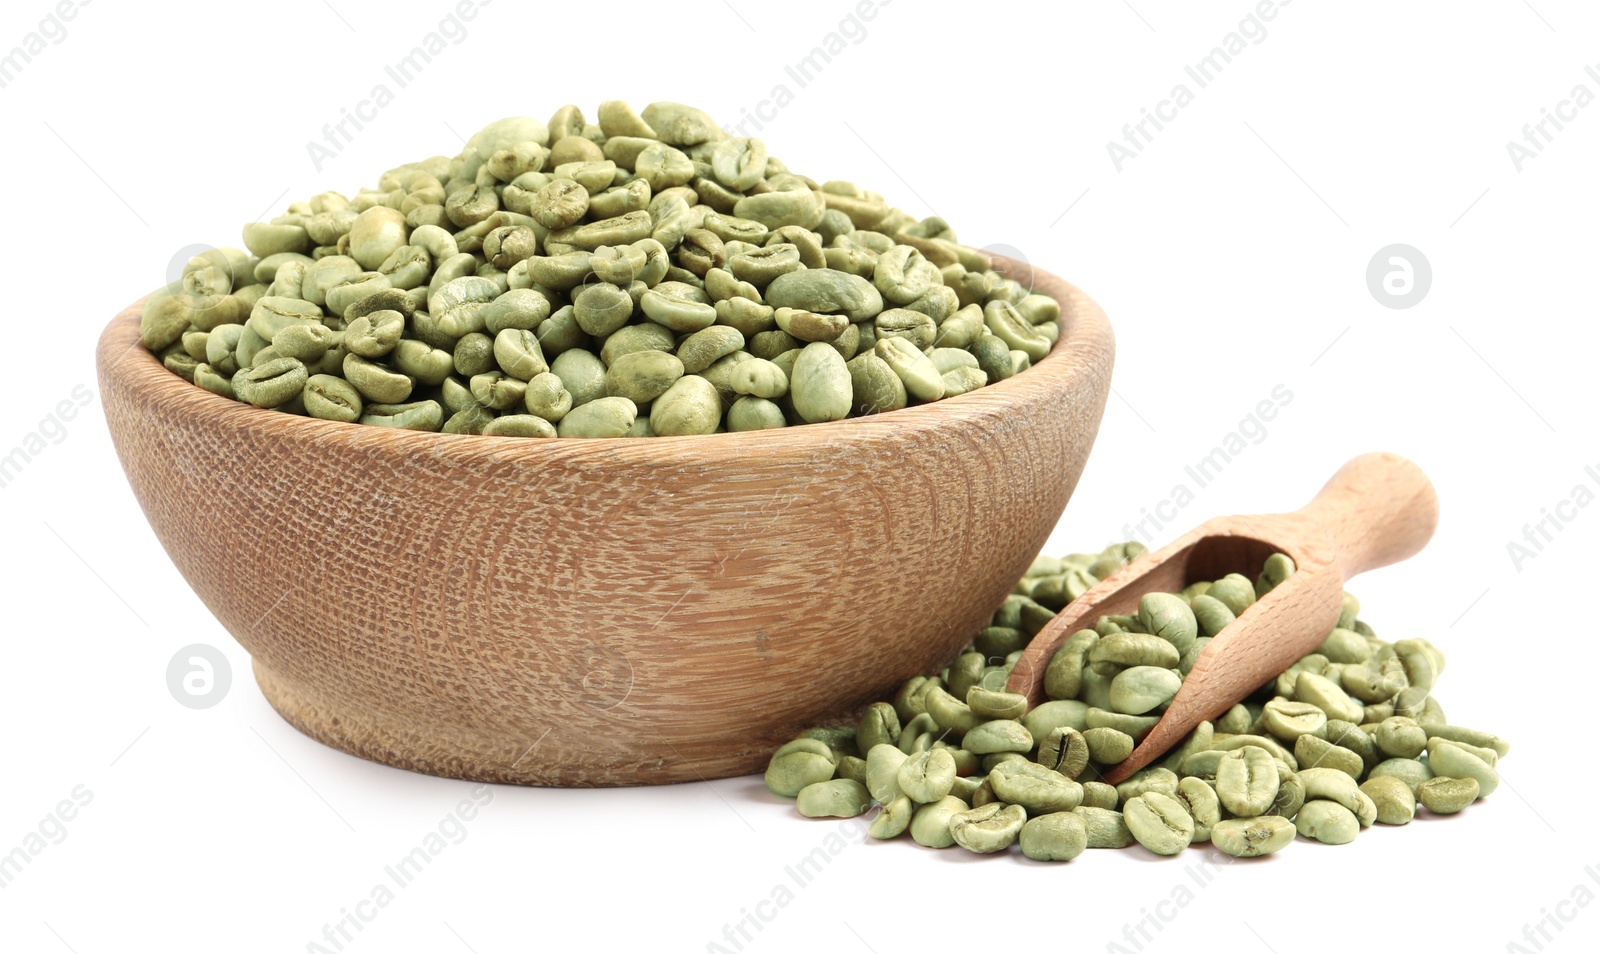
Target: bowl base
x: 546, y: 758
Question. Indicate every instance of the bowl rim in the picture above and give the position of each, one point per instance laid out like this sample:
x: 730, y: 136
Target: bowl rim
x: 1086, y: 344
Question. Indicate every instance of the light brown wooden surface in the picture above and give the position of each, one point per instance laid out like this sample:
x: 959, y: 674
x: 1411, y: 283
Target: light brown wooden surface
x: 1376, y: 510
x: 602, y: 612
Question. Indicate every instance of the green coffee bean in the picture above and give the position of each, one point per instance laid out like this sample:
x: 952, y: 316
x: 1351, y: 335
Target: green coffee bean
x: 835, y: 798
x: 1202, y: 764
x: 798, y: 764
x: 820, y: 384
x: 1200, y: 800
x: 1159, y: 823
x: 1451, y: 733
x: 1312, y: 752
x: 1064, y: 750
x: 1139, y: 689
x: 999, y: 735
x: 755, y: 414
x: 1108, y: 746
x: 1233, y: 743
x: 1133, y: 650
x: 1410, y: 771
x: 1148, y: 780
x: 1099, y: 795
x: 1326, y: 695
x: 915, y: 369
x: 1328, y: 822
x: 497, y: 391
x: 894, y: 819
x: 332, y: 398
x: 1135, y: 726
x: 930, y: 826
x: 414, y: 416
x: 517, y: 352
x: 307, y: 343
x: 1167, y: 616
x: 1103, y: 827
x: 519, y: 425
x: 884, y: 761
x: 1333, y: 785
x: 602, y: 417
x: 1349, y: 736
x: 967, y: 763
x: 1049, y: 715
x: 271, y: 383
x: 1234, y: 591
x: 922, y: 725
x: 1400, y: 737
x: 1252, y: 837
x: 1057, y: 836
x: 1395, y: 801
x: 879, y: 725
x: 1458, y: 760
x: 987, y: 828
x: 1063, y: 675
x: 1443, y: 795
x: 1288, y: 720
x: 1247, y: 781
x: 927, y: 776
x: 1210, y: 614
x: 1034, y: 787
x: 996, y: 704
x: 841, y: 739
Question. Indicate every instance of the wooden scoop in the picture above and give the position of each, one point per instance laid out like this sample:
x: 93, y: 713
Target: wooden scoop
x: 1377, y: 510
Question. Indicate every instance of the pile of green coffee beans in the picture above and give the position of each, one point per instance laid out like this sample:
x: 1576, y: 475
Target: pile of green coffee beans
x: 643, y: 275
x: 1348, y: 736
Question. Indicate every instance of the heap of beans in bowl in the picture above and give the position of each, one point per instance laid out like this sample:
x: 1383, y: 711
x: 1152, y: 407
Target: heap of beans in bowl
x: 638, y: 274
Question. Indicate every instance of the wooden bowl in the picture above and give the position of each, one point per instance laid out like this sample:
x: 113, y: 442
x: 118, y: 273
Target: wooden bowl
x: 602, y: 612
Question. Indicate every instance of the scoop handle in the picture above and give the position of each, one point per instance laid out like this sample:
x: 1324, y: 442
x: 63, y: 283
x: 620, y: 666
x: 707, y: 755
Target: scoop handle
x: 1376, y: 510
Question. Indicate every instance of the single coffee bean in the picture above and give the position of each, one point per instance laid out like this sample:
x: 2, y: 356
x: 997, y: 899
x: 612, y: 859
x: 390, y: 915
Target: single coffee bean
x: 798, y: 764
x: 1247, y: 781
x: 834, y: 798
x: 1395, y: 801
x: 1159, y: 823
x: 1446, y: 796
x: 1252, y: 837
x: 1057, y: 836
x: 987, y: 828
x: 1328, y: 822
x: 927, y: 776
x: 1034, y: 787
x: 930, y: 826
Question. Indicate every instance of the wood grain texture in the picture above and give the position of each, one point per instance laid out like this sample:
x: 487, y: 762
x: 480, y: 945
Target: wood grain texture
x: 602, y: 612
x: 1376, y: 510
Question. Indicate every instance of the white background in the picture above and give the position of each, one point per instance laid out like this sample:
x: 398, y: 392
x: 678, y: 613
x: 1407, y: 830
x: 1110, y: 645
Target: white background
x: 1231, y: 256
